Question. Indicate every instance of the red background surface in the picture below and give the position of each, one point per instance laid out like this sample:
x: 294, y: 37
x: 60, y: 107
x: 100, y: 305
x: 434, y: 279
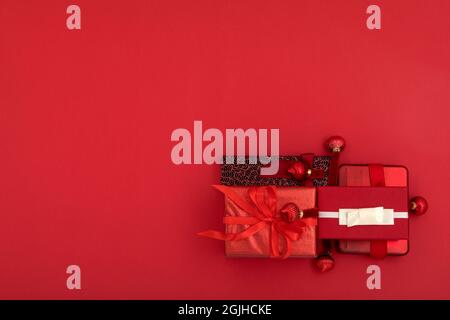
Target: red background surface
x: 86, y: 116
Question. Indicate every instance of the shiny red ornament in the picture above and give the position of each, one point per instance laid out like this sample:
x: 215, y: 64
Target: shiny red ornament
x: 325, y: 263
x: 336, y: 144
x: 418, y: 206
x: 298, y: 170
x: 290, y: 212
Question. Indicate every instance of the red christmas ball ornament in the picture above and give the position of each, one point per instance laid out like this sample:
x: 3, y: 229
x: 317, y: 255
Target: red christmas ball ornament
x: 418, y: 206
x: 299, y: 171
x: 325, y: 263
x: 290, y: 212
x: 336, y: 144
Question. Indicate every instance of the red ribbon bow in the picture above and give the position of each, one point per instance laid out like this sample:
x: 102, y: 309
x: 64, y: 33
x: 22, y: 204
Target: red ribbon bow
x: 262, y: 210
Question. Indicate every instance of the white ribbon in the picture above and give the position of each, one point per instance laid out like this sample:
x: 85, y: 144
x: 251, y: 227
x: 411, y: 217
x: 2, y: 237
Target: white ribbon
x: 364, y: 216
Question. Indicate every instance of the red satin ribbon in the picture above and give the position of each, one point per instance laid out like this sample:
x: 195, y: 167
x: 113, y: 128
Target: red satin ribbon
x: 376, y: 173
x: 378, y: 248
x: 333, y: 169
x: 262, y: 210
x: 315, y: 173
x: 326, y: 244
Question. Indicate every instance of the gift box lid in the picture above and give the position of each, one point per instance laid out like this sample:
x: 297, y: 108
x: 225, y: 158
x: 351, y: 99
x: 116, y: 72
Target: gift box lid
x: 363, y: 213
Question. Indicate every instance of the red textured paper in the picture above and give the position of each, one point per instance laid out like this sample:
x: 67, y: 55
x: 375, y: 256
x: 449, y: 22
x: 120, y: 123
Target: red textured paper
x: 86, y: 117
x: 335, y: 198
x: 258, y: 245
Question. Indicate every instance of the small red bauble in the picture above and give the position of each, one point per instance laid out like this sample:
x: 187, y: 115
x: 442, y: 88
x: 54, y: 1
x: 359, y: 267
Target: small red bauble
x: 418, y: 206
x: 325, y: 263
x: 290, y: 212
x: 336, y: 144
x: 298, y: 170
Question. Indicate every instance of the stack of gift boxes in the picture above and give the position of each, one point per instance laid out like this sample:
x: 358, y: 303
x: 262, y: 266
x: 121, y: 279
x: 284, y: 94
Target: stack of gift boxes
x: 314, y: 207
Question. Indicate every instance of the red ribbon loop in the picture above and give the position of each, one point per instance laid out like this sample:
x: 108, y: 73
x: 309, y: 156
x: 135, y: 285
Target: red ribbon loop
x: 262, y: 210
x: 315, y: 173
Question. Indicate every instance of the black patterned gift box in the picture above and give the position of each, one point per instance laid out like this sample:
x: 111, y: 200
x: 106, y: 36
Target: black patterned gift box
x: 248, y: 173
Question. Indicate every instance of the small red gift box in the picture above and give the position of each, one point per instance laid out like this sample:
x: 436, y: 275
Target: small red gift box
x: 364, y: 213
x: 268, y: 221
x: 360, y: 175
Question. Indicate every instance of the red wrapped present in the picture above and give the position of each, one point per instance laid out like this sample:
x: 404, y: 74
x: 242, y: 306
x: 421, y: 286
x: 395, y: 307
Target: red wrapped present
x: 377, y: 214
x: 360, y: 175
x: 268, y: 221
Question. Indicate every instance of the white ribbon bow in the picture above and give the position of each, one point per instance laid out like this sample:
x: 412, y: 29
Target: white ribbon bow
x: 366, y: 217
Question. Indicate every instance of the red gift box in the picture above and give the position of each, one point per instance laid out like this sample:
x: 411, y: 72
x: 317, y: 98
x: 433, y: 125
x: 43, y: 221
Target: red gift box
x: 255, y: 226
x: 334, y: 201
x: 359, y: 175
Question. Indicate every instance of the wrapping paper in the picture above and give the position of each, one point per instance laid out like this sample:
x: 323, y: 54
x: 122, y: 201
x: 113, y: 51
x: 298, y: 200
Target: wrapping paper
x: 247, y: 174
x: 258, y: 245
